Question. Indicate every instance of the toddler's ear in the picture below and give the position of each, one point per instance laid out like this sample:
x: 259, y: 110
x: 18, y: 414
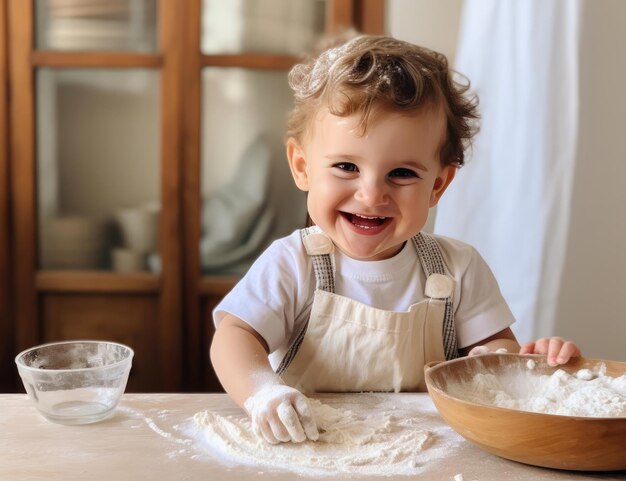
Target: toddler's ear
x: 441, y: 183
x: 297, y: 164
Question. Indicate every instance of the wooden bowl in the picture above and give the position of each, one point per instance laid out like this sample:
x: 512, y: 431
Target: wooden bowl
x: 548, y: 440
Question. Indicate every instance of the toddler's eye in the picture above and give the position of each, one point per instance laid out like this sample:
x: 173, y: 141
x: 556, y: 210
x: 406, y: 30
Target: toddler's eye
x: 346, y: 167
x: 403, y: 174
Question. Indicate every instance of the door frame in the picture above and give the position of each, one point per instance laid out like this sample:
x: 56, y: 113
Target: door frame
x: 7, y: 325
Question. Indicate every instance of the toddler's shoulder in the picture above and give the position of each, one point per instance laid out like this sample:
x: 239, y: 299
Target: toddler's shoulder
x: 287, y: 253
x: 459, y: 256
x: 281, y: 270
x: 290, y: 245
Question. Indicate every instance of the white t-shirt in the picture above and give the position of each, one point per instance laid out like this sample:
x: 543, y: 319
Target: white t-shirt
x: 276, y: 294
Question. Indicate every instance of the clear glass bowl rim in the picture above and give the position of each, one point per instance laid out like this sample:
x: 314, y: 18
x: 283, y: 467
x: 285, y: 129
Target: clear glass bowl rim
x: 126, y: 360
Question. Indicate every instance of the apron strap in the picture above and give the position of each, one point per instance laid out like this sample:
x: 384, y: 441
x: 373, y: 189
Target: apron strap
x: 319, y: 246
x: 432, y: 262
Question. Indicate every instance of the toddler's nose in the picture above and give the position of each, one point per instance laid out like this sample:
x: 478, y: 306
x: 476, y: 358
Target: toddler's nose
x: 371, y: 193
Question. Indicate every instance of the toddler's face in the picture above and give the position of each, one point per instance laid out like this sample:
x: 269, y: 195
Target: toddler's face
x: 370, y: 193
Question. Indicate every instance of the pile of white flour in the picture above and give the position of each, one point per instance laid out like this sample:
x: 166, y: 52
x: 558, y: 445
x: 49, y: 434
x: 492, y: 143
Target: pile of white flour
x: 589, y: 393
x: 378, y: 436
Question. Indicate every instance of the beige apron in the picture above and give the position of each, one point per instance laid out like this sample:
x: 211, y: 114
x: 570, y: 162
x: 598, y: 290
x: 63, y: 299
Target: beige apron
x: 348, y: 346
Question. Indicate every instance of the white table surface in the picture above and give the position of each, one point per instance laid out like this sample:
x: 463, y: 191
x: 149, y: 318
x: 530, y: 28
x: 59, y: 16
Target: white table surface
x: 143, y: 441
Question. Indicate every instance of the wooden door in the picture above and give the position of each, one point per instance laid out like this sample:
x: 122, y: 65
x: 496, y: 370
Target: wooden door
x: 141, y: 309
x: 163, y: 314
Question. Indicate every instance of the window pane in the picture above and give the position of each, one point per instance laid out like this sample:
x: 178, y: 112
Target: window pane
x: 107, y: 25
x: 271, y: 26
x: 248, y: 195
x: 98, y: 172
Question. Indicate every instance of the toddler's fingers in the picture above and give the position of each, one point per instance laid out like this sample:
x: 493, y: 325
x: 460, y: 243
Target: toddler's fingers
x: 306, y: 418
x: 278, y: 429
x: 554, y: 347
x: 542, y: 345
x: 528, y: 348
x: 256, y: 428
x: 289, y: 418
x: 568, y: 350
x: 262, y: 428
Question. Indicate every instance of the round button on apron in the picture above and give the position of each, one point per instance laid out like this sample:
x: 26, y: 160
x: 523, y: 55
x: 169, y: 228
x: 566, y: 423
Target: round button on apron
x: 439, y: 286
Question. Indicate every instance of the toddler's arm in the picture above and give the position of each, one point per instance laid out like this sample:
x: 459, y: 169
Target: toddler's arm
x: 239, y: 357
x: 504, y: 339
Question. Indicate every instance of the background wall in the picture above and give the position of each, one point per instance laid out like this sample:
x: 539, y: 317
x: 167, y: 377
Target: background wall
x: 431, y: 23
x: 589, y: 308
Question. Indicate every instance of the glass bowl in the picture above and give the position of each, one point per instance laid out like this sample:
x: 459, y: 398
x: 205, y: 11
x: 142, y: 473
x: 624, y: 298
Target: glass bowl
x: 75, y: 382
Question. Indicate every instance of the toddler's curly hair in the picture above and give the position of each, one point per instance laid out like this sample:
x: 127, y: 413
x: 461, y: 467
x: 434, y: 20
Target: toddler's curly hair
x: 371, y: 74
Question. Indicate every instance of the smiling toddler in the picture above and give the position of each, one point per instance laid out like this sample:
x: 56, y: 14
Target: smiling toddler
x: 363, y: 299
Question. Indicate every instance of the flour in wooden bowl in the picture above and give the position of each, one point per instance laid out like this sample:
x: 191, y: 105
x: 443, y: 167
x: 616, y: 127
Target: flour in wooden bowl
x: 588, y: 393
x: 378, y: 435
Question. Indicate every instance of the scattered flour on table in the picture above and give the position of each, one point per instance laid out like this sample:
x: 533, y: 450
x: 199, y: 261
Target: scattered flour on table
x: 378, y: 438
x: 460, y: 477
x: 589, y: 393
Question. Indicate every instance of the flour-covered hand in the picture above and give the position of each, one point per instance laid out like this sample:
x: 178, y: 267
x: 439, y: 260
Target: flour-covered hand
x: 558, y: 350
x: 281, y: 413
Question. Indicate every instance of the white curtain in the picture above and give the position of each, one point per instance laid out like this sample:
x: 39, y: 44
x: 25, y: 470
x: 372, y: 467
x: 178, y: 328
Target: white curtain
x: 512, y: 199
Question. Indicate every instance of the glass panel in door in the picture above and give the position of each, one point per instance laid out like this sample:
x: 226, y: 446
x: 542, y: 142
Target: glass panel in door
x: 105, y: 25
x: 98, y: 169
x: 248, y: 195
x: 289, y: 27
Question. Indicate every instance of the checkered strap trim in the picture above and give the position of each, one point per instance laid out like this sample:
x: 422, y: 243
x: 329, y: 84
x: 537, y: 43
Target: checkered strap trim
x: 325, y: 281
x: 322, y: 265
x: 432, y: 262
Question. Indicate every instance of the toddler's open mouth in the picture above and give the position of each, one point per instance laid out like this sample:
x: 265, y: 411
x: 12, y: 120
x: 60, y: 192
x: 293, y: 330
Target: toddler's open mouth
x: 365, y: 222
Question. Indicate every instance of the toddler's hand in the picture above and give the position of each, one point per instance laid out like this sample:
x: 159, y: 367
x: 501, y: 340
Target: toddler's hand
x: 478, y: 350
x: 558, y: 350
x: 281, y: 413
